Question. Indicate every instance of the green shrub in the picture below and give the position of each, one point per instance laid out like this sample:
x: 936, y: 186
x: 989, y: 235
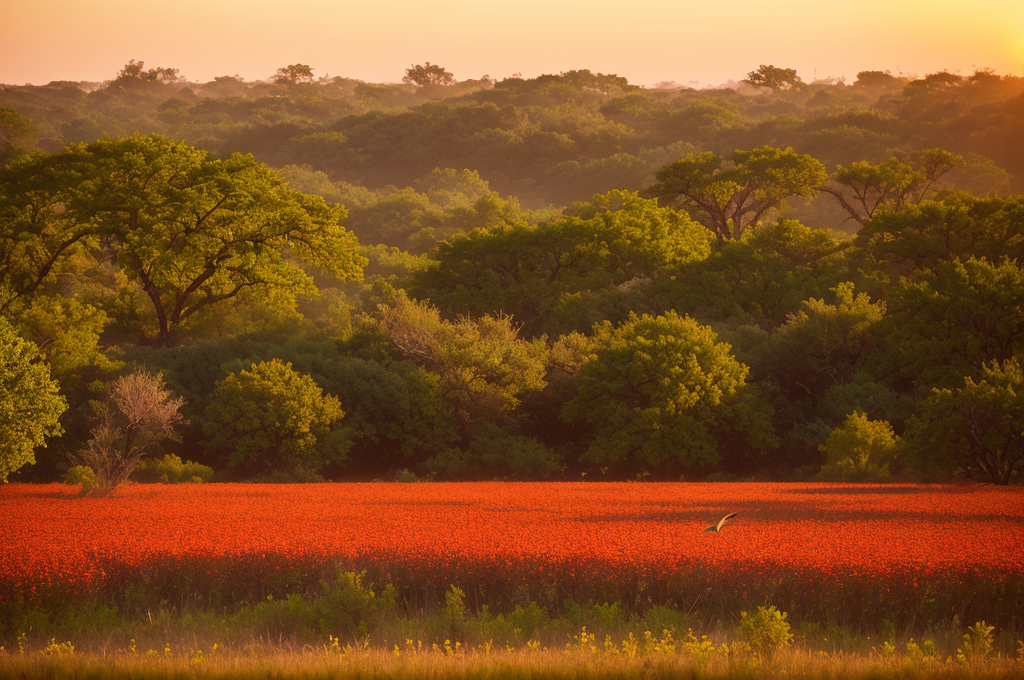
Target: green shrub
x: 604, y: 616
x: 406, y: 476
x: 291, y: 616
x: 173, y: 470
x: 530, y: 621
x: 859, y: 450
x: 454, y: 611
x: 977, y: 642
x: 59, y: 648
x: 348, y: 607
x: 450, y: 623
x: 81, y: 475
x: 660, y: 617
x: 766, y: 630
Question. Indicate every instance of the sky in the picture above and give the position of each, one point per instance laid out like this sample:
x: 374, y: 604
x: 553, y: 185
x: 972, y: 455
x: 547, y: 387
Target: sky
x: 648, y: 41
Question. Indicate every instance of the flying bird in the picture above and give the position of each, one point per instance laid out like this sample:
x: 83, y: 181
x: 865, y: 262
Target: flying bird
x: 721, y: 523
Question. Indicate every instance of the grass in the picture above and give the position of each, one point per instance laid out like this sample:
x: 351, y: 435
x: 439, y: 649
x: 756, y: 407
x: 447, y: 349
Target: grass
x: 353, y: 662
x: 725, y: 652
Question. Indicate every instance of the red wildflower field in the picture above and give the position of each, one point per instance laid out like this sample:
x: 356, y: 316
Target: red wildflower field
x: 850, y: 550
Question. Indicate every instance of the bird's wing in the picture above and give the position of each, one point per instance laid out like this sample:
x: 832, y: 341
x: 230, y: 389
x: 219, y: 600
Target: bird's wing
x: 725, y: 520
x: 710, y: 528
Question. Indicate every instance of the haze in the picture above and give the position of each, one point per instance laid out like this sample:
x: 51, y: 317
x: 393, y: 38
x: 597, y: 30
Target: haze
x: 647, y: 41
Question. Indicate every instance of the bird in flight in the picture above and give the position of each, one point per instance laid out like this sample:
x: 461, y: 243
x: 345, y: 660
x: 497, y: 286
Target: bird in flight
x: 721, y: 523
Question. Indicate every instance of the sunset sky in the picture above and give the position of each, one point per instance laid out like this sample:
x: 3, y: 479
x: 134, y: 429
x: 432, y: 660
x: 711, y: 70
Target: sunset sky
x: 647, y: 41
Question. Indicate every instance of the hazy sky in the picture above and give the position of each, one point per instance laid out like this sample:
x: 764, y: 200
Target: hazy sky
x: 647, y: 41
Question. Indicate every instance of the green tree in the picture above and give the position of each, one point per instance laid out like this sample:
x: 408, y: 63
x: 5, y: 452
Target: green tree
x: 30, y: 402
x: 428, y: 74
x: 823, y: 345
x: 537, y: 272
x: 191, y: 230
x: 482, y: 365
x: 951, y: 321
x: 773, y: 77
x: 136, y: 71
x: 294, y: 73
x: 879, y: 79
x: 15, y: 133
x: 731, y: 198
x: 862, y: 189
x: 978, y: 428
x: 760, y: 278
x: 931, y: 233
x: 273, y: 418
x: 67, y: 333
x: 859, y: 450
x: 651, y: 390
x: 39, y: 225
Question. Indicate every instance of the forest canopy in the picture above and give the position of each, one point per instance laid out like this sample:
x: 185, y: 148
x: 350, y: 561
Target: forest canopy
x: 550, y: 278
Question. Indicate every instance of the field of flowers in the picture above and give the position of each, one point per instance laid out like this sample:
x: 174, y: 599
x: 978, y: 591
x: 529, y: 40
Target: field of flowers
x: 847, y: 553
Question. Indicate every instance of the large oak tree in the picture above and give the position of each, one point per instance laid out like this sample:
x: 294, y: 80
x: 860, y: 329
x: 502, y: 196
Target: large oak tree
x: 192, y: 230
x: 731, y: 197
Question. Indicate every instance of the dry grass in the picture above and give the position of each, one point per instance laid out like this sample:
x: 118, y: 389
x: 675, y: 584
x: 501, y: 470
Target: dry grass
x: 349, y: 662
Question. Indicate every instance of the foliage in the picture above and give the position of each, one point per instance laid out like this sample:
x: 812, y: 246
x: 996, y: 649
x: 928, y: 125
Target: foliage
x: 295, y: 73
x: 978, y: 428
x: 761, y: 278
x: 173, y: 470
x: 859, y: 450
x: 191, y: 230
x: 80, y: 475
x: 977, y: 641
x: 651, y: 388
x: 766, y: 630
x: 933, y: 234
x: 270, y: 417
x: 198, y: 261
x: 136, y: 416
x: 730, y: 199
x: 498, y: 452
x: 541, y: 275
x: 428, y: 74
x: 773, y: 77
x: 136, y: 71
x: 30, y: 402
x: 482, y: 365
x: 864, y: 189
x: 952, y: 320
x: 16, y: 131
x: 823, y: 345
x: 67, y: 333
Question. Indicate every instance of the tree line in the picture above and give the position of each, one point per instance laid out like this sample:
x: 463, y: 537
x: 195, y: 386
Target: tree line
x: 161, y: 298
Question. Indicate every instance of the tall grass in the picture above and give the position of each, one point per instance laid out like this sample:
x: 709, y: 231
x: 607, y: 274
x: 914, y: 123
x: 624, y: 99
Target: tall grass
x: 574, y: 662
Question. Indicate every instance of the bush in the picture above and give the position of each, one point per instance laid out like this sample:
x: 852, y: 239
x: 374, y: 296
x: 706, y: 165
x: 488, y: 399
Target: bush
x: 347, y: 607
x: 80, y: 475
x: 978, y: 428
x: 977, y: 642
x: 293, y: 615
x: 406, y: 476
x: 138, y: 413
x: 766, y: 630
x: 859, y: 450
x: 271, y: 418
x: 529, y: 622
x: 660, y: 617
x: 173, y: 470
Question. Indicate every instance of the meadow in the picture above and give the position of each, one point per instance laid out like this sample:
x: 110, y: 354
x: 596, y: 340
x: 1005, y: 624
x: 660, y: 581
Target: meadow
x: 478, y: 579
